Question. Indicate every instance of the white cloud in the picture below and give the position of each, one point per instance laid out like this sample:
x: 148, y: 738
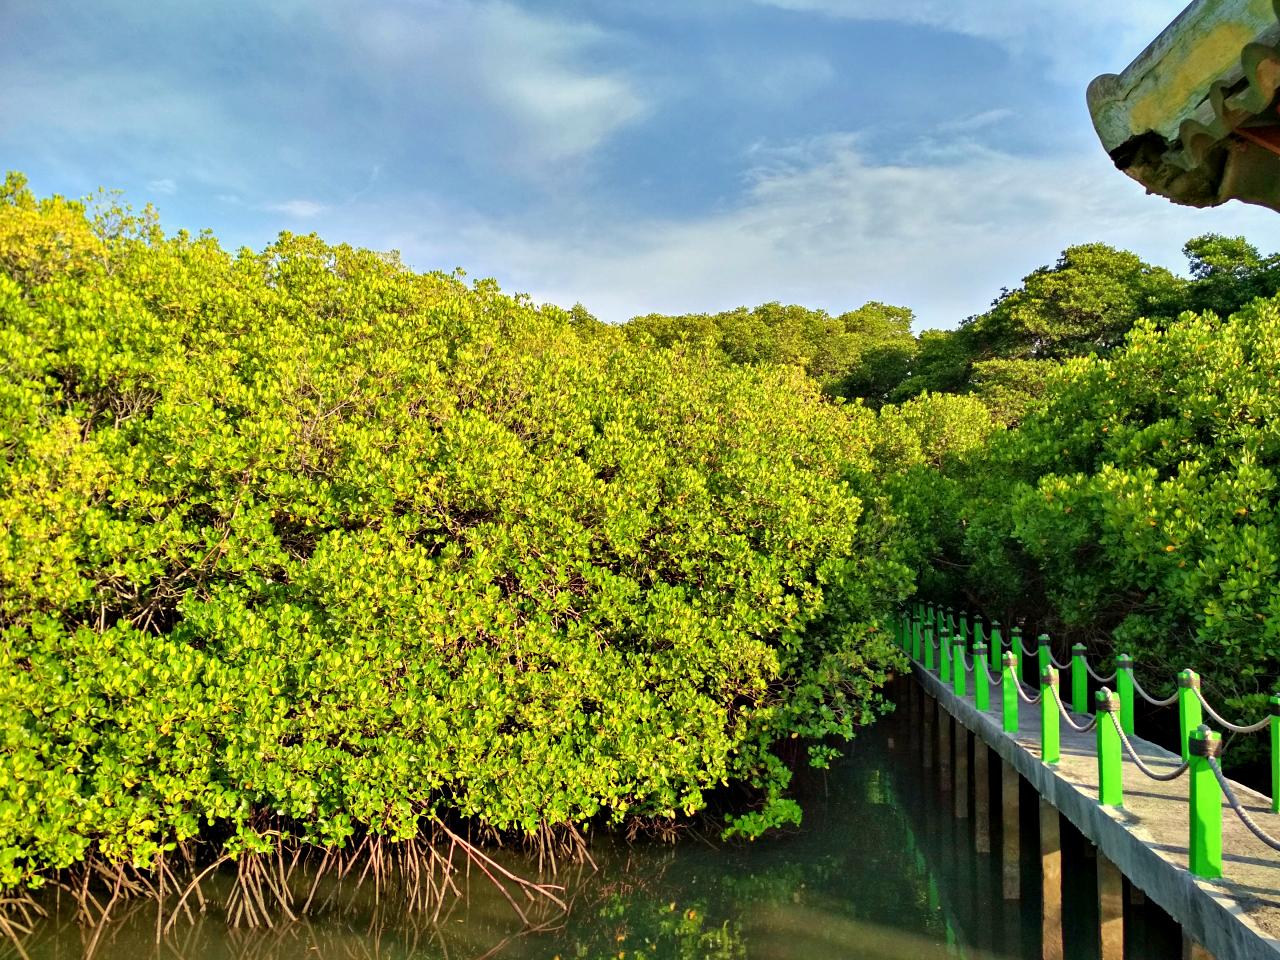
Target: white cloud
x: 299, y: 209
x: 165, y: 186
x: 824, y: 225
x: 538, y: 72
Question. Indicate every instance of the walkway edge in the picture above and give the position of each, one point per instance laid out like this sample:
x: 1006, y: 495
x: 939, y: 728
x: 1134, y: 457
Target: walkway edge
x: 1196, y: 905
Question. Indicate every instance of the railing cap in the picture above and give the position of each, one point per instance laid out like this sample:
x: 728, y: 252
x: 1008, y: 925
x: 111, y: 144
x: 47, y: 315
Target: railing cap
x: 1124, y: 662
x: 1079, y: 648
x: 1049, y: 677
x: 1107, y: 701
x: 1044, y: 640
x: 1189, y: 679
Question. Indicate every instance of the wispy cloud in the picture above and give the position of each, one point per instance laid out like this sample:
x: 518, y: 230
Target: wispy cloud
x: 824, y: 224
x: 298, y: 209
x: 165, y: 186
x: 1066, y: 35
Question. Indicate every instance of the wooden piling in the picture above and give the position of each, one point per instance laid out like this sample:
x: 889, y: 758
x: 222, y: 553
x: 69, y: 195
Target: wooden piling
x: 1012, y: 841
x: 961, y: 766
x: 981, y: 796
x: 1110, y: 910
x: 1051, y: 881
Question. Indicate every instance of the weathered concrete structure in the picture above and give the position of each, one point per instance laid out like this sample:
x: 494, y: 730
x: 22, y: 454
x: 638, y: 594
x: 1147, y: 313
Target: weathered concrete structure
x: 1194, y: 117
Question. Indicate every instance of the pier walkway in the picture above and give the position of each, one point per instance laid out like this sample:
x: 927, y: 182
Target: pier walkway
x: 1147, y: 837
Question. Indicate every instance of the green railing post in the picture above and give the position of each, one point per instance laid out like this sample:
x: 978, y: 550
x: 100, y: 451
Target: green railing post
x: 1205, y: 852
x: 1190, y: 715
x: 1110, y: 769
x: 915, y: 638
x: 944, y: 654
x: 1124, y: 688
x: 1009, y: 694
x: 1275, y: 753
x: 951, y: 619
x: 979, y: 631
x: 928, y: 649
x: 958, y: 672
x: 1079, y: 680
x: 997, y: 647
x: 1049, y: 717
x: 1015, y: 647
x: 1044, y: 656
x: 982, y: 681
x: 964, y: 629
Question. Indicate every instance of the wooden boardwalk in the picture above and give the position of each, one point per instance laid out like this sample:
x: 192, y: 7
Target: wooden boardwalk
x: 1235, y: 918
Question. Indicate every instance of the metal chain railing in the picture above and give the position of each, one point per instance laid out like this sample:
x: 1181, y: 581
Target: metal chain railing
x: 1241, y: 812
x: 1138, y: 761
x: 1086, y: 728
x: 1227, y: 724
x: 1167, y: 702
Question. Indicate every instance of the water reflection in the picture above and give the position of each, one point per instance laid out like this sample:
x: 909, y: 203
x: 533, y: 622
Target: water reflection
x: 880, y: 871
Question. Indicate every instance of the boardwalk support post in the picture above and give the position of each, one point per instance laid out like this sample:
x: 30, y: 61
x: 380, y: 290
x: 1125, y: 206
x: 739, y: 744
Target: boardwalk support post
x: 1009, y: 828
x: 1275, y: 753
x: 961, y: 767
x: 1124, y: 687
x: 1189, y: 714
x: 1110, y: 770
x: 1051, y: 881
x: 1079, y: 680
x: 1110, y: 908
x: 1009, y: 693
x: 981, y: 795
x: 982, y: 681
x: 1205, y: 851
x: 1049, y: 717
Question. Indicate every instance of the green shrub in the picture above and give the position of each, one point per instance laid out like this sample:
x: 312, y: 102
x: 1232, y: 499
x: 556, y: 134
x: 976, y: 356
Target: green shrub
x: 302, y: 540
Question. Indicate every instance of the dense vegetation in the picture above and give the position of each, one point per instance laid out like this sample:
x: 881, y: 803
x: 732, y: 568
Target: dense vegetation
x: 302, y: 547
x: 1096, y: 455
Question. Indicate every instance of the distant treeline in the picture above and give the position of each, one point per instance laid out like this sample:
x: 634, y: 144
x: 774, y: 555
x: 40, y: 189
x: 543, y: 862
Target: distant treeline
x: 1105, y: 445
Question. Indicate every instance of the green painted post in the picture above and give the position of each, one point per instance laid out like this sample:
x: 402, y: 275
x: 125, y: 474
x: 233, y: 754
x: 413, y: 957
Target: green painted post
x: 944, y: 653
x: 1275, y: 753
x: 964, y: 629
x: 997, y: 647
x: 1044, y: 655
x: 1079, y: 680
x: 982, y: 682
x: 1190, y: 715
x: 979, y: 632
x: 958, y: 672
x: 1110, y: 769
x: 941, y: 619
x: 1015, y: 647
x: 928, y: 649
x: 1124, y: 688
x: 915, y: 639
x: 1205, y: 851
x: 1050, y: 751
x: 951, y: 619
x: 1009, y: 693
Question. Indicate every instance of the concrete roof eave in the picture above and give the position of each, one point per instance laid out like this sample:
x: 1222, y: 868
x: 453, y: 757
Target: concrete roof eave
x: 1192, y: 118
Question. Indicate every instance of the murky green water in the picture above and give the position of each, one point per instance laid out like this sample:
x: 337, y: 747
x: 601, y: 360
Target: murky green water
x: 880, y: 871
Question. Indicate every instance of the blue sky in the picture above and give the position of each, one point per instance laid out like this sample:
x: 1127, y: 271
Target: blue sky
x: 666, y: 155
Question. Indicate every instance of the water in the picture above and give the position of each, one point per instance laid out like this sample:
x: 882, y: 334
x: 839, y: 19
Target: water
x: 879, y: 871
